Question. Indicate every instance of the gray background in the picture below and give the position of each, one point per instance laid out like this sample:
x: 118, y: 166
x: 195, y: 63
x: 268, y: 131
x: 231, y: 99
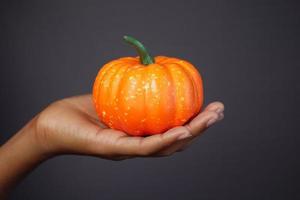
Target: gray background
x: 246, y: 51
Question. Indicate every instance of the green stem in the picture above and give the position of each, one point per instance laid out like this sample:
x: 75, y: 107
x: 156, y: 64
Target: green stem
x: 145, y: 58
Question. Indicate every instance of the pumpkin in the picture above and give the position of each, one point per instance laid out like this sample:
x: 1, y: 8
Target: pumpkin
x: 144, y: 95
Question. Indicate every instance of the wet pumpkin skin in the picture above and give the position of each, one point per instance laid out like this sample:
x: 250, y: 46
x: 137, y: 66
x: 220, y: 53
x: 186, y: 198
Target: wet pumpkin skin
x: 146, y: 99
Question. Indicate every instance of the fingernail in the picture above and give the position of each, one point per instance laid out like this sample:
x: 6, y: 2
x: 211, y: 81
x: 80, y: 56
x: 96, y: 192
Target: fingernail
x: 184, y: 135
x: 211, y: 122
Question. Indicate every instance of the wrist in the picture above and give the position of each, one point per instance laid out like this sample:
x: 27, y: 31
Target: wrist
x: 35, y: 136
x: 29, y: 137
x: 18, y: 156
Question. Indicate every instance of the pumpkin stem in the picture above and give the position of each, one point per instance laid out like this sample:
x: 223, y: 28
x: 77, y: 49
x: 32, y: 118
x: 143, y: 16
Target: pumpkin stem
x: 145, y: 58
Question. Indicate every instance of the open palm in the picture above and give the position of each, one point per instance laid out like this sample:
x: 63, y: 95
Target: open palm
x: 71, y: 125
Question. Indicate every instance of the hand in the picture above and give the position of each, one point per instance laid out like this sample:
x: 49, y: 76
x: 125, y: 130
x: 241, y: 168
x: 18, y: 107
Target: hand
x: 72, y: 126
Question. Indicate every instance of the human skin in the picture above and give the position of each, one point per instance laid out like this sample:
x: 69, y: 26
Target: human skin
x: 71, y: 126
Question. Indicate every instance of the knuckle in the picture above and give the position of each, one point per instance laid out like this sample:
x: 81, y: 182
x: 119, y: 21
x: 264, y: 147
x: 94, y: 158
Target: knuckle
x: 213, y: 114
x: 184, y: 128
x: 188, y: 128
x: 175, y: 128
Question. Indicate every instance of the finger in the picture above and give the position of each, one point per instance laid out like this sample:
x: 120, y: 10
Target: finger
x: 215, y: 106
x: 173, y: 148
x: 150, y: 145
x: 213, y: 112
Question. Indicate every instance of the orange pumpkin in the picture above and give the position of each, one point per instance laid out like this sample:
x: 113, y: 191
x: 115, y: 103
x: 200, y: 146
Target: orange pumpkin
x: 145, y: 96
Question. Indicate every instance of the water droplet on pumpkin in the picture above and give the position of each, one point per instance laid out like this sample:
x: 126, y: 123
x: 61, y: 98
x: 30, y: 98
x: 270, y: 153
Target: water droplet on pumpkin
x: 146, y: 86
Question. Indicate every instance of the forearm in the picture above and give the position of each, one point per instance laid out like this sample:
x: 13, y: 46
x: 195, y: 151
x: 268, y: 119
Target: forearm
x: 18, y: 156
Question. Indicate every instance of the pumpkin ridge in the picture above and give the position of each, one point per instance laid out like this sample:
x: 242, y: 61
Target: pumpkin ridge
x: 118, y: 95
x: 197, y: 79
x: 146, y: 97
x: 103, y: 71
x: 107, y: 66
x: 174, y: 92
x: 160, y: 59
x: 173, y: 103
x: 132, y: 99
x: 169, y: 60
x: 99, y: 77
x: 111, y: 97
x: 191, y: 79
x: 145, y: 107
x: 182, y: 98
x: 103, y: 94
